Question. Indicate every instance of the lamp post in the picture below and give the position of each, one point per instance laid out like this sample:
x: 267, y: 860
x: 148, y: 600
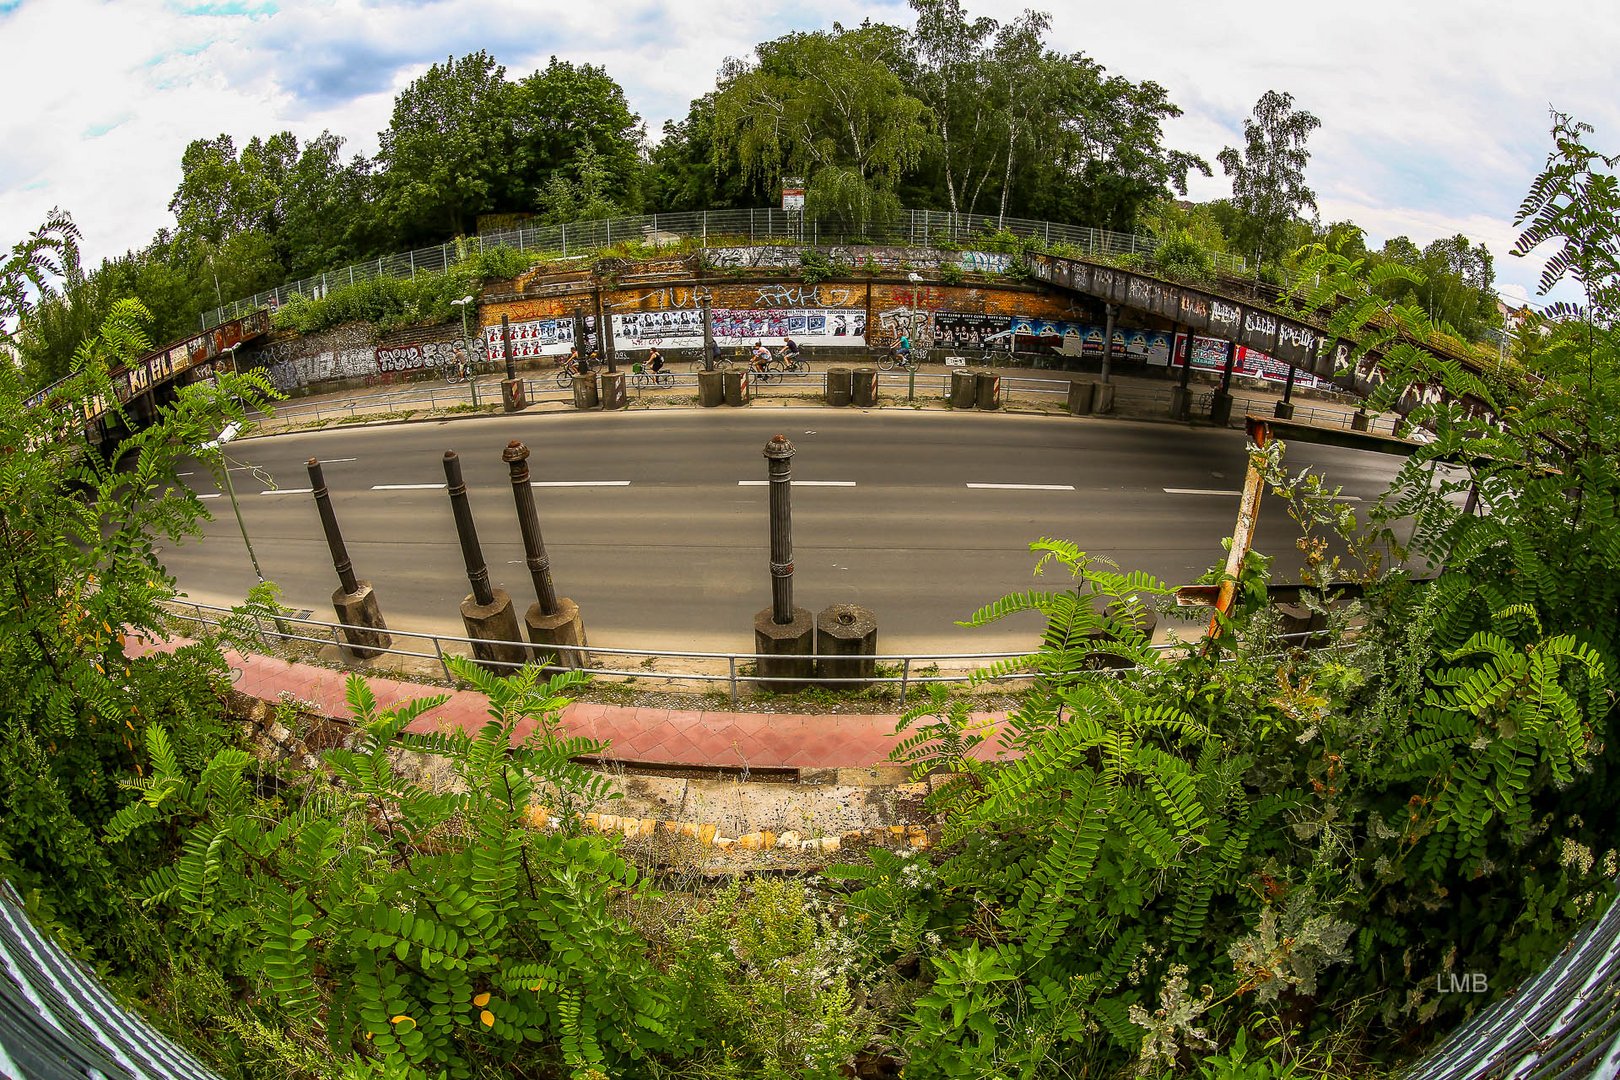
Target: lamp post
x: 225, y: 436
x: 466, y: 345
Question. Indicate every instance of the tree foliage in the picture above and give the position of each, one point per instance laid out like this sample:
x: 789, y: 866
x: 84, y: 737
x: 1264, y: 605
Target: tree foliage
x: 1268, y: 174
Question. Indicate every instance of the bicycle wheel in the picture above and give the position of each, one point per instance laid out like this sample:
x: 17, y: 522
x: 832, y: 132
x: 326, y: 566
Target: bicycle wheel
x: 886, y: 363
x: 565, y: 379
x: 666, y: 378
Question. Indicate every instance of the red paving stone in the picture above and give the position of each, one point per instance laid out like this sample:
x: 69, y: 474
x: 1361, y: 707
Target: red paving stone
x: 639, y: 735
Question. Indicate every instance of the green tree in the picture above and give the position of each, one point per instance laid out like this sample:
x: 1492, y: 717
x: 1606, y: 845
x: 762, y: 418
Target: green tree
x: 827, y: 106
x: 950, y: 73
x: 80, y: 526
x: 329, y: 216
x: 449, y: 153
x: 566, y: 115
x: 685, y: 173
x: 583, y: 198
x: 1268, y: 175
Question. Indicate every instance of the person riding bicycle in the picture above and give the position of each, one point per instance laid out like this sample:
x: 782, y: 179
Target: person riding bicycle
x: 761, y: 357
x: 790, y: 352
x: 458, y: 361
x: 655, y: 360
x: 904, y: 349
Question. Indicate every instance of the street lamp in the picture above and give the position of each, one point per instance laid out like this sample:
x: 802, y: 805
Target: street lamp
x: 230, y: 432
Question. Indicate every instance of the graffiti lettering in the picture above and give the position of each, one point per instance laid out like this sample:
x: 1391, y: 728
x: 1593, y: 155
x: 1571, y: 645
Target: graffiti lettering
x: 788, y: 296
x: 1294, y: 334
x: 987, y: 262
x: 1224, y: 313
x: 1258, y: 322
x: 401, y: 358
x: 671, y: 297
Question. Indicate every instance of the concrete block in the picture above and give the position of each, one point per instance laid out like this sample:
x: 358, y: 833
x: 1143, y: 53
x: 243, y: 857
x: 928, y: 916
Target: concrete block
x: 493, y: 627
x: 987, y: 394
x: 613, y: 396
x: 1102, y: 399
x: 585, y: 396
x: 1081, y: 394
x: 513, y: 398
x: 785, y: 649
x: 863, y: 388
x: 563, y: 628
x: 711, y: 388
x: 964, y: 389
x: 838, y: 386
x: 849, y: 633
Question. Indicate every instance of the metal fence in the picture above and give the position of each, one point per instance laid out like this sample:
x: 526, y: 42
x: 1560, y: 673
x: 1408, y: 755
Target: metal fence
x: 297, y: 637
x: 916, y: 228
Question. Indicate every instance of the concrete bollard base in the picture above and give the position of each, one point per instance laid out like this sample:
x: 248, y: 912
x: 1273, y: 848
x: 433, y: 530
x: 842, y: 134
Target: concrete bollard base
x: 1102, y: 399
x: 711, y: 388
x: 1220, y: 408
x: 1180, y: 403
x: 512, y: 396
x: 738, y: 387
x: 785, y: 649
x: 494, y: 630
x: 1081, y: 395
x: 964, y: 388
x: 1360, y: 421
x: 364, y: 628
x: 585, y: 396
x: 846, y: 637
x: 613, y: 396
x: 838, y: 387
x: 1284, y: 410
x: 563, y: 628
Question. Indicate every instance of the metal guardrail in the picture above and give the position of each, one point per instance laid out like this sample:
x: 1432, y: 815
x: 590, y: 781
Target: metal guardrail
x: 280, y: 634
x: 703, y: 229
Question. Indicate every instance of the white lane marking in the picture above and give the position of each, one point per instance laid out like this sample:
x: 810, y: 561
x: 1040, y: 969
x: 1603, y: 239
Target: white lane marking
x: 579, y: 483
x: 185, y: 474
x: 1024, y: 487
x: 1239, y: 494
x: 335, y: 460
x: 288, y: 491
x: 800, y: 483
x: 406, y: 487
x: 213, y: 495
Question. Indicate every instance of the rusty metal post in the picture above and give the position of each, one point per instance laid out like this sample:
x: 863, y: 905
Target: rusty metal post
x: 354, y: 600
x: 466, y: 529
x: 708, y: 337
x: 553, y: 622
x: 1187, y: 358
x: 1288, y: 387
x: 516, y: 457
x: 487, y: 613
x: 779, y: 453
x: 604, y: 331
x: 1254, y: 485
x: 1226, y: 372
x: 334, y: 538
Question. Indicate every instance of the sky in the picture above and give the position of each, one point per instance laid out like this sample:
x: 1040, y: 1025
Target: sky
x: 1435, y: 113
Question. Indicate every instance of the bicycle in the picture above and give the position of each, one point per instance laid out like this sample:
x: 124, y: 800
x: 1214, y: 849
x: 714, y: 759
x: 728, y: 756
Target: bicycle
x: 640, y: 376
x: 789, y: 364
x: 566, y: 370
x: 721, y: 363
x: 453, y: 373
x: 895, y: 358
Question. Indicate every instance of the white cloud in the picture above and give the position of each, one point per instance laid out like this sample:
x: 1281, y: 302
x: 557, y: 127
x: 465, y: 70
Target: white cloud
x: 1434, y: 116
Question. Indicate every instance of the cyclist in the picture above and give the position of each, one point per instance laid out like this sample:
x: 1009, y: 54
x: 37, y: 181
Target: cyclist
x: 655, y: 360
x: 761, y: 357
x: 905, y: 349
x: 790, y: 352
x: 458, y: 362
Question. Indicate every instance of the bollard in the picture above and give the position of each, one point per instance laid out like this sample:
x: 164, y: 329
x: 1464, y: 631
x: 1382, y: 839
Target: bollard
x: 552, y: 620
x: 1102, y: 400
x: 737, y: 388
x: 1081, y: 395
x: 863, y: 388
x: 613, y: 396
x: 838, y: 386
x: 353, y: 600
x: 988, y: 396
x: 1220, y: 408
x: 1360, y: 421
x: 513, y: 398
x: 964, y: 388
x: 1180, y: 403
x: 585, y: 391
x: 487, y: 611
x: 1284, y: 410
x: 783, y: 634
x: 846, y: 640
x: 711, y: 388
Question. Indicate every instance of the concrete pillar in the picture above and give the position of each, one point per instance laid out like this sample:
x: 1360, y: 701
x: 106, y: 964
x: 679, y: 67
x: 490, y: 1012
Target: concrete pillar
x: 1283, y: 411
x: 863, y: 388
x: 711, y: 386
x: 1360, y: 421
x: 585, y: 391
x: 486, y: 612
x: 737, y: 387
x: 784, y: 635
x: 613, y: 396
x: 987, y: 395
x: 964, y: 388
x: 552, y: 620
x: 1220, y: 408
x: 513, y: 398
x: 708, y: 340
x: 1110, y: 312
x: 1081, y: 394
x: 848, y: 633
x: 838, y: 391
x: 353, y: 599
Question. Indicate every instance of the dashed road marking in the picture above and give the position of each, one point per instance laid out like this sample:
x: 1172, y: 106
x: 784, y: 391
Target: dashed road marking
x: 406, y: 487
x: 287, y: 491
x: 1024, y: 487
x: 800, y: 483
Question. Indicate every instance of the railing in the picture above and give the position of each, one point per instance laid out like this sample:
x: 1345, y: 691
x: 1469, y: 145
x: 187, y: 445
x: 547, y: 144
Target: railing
x: 294, y: 637
x: 914, y: 228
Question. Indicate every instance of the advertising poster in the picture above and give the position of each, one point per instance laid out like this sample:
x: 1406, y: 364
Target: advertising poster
x: 968, y: 330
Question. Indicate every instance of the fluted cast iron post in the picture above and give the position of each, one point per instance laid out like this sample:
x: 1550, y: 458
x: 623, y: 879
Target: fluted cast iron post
x: 477, y: 571
x: 506, y: 346
x: 1288, y: 387
x: 516, y: 457
x: 334, y: 538
x: 779, y: 469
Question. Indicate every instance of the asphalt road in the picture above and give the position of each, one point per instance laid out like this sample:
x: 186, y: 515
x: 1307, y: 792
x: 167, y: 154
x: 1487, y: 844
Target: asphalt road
x: 658, y: 524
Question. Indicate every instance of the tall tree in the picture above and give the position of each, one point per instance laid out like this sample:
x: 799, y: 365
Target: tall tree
x: 329, y: 217
x: 448, y: 153
x: 949, y: 73
x: 1268, y: 174
x: 684, y: 172
x: 829, y: 107
x: 563, y: 109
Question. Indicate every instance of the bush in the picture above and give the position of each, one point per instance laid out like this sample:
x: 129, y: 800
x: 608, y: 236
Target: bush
x: 1182, y: 258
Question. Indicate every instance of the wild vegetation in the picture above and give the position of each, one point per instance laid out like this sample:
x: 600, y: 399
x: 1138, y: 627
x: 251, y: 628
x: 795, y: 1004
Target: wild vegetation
x: 1242, y: 856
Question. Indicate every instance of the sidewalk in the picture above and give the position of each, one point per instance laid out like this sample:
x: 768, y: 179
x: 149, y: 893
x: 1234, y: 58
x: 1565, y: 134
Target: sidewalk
x: 637, y: 736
